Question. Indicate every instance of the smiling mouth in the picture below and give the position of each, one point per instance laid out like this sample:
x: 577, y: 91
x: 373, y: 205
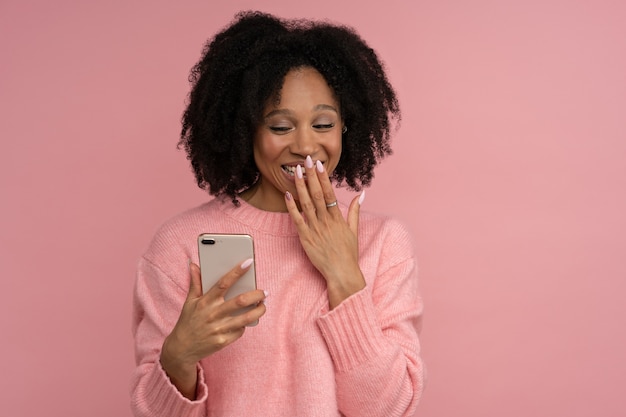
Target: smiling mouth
x: 289, y: 170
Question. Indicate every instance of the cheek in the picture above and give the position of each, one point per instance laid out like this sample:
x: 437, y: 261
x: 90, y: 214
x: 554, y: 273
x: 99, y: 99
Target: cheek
x: 266, y: 148
x: 335, y: 149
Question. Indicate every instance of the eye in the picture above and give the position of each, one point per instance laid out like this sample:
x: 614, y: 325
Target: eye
x: 280, y: 129
x: 324, y: 126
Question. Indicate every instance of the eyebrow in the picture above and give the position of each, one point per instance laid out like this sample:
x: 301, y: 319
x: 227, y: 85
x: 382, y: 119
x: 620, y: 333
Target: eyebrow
x: 289, y: 112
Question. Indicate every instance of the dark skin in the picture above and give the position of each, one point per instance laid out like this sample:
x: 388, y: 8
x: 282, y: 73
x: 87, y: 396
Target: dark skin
x: 329, y: 240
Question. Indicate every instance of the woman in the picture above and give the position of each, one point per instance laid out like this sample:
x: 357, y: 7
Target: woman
x: 279, y: 110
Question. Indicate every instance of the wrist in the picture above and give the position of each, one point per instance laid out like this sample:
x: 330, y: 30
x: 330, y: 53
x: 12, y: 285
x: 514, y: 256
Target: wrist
x: 182, y: 373
x: 340, y: 289
x: 173, y: 351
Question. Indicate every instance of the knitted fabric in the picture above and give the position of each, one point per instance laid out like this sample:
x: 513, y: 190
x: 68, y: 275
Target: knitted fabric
x: 302, y: 359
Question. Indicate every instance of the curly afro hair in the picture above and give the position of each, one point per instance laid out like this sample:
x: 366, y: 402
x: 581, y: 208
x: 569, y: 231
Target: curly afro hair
x: 244, y: 66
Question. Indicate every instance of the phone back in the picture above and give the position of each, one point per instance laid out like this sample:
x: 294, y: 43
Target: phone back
x: 219, y: 253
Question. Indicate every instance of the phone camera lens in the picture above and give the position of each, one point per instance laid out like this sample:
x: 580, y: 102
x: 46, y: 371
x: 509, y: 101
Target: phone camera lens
x: 208, y: 241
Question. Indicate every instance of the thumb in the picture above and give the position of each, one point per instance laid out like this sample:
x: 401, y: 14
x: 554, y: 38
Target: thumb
x: 195, y: 284
x: 353, y: 212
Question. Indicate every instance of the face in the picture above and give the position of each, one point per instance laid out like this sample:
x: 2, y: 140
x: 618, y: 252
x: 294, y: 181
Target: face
x: 306, y: 121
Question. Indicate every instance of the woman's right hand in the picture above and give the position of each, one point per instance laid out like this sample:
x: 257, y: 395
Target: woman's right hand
x: 206, y: 325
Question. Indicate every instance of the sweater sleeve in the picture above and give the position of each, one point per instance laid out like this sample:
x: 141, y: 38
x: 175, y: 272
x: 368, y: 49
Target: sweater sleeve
x: 156, y: 306
x: 373, y: 339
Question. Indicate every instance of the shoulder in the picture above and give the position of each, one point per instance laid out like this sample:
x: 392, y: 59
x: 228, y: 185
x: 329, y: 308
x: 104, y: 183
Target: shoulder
x: 181, y: 222
x: 180, y: 231
x: 383, y: 226
x: 388, y: 235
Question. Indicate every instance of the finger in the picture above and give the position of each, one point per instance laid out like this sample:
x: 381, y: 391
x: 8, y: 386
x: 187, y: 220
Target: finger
x: 306, y: 204
x: 243, y: 300
x: 353, y: 212
x: 253, y: 316
x: 292, y: 208
x: 314, y: 186
x: 244, y: 317
x: 221, y: 287
x: 327, y: 188
x: 195, y: 284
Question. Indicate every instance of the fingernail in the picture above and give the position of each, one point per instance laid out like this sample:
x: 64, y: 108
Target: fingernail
x: 288, y: 195
x: 299, y: 171
x: 320, y: 166
x: 246, y: 263
x: 266, y: 293
x: 308, y: 162
x: 362, y: 197
x: 188, y: 264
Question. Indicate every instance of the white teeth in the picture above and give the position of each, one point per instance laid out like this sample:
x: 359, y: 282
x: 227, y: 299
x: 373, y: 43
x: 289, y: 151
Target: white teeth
x: 289, y: 169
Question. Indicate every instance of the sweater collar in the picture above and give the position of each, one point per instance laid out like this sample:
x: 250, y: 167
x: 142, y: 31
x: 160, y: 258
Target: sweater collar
x: 275, y: 223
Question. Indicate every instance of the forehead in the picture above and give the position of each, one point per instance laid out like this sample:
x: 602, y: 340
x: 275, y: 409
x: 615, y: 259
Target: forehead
x: 304, y: 86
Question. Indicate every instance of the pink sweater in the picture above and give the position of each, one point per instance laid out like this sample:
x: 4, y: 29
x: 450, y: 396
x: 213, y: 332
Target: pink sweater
x: 360, y: 359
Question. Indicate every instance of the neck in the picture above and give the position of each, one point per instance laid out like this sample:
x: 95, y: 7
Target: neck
x: 257, y: 197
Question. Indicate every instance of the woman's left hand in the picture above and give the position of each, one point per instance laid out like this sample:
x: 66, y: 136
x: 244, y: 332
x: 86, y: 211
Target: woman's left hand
x: 328, y: 239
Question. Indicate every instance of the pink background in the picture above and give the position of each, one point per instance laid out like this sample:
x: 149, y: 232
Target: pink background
x: 509, y: 168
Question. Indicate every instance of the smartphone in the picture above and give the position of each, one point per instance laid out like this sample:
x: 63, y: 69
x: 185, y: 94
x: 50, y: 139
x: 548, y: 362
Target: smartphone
x: 218, y: 254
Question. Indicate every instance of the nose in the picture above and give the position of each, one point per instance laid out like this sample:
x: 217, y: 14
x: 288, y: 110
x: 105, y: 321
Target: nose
x: 304, y: 142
